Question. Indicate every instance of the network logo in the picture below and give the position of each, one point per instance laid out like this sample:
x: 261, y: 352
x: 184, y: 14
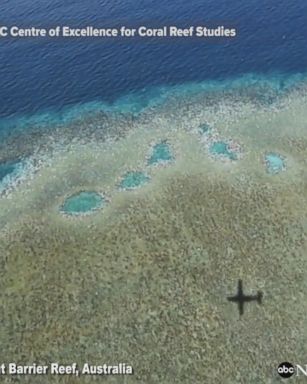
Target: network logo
x: 286, y: 370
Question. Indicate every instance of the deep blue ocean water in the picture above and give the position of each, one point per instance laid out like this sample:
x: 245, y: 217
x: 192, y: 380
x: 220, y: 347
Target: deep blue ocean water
x: 49, y: 76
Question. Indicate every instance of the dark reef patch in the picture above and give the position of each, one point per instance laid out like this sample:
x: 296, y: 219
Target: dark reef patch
x: 205, y: 128
x: 7, y: 168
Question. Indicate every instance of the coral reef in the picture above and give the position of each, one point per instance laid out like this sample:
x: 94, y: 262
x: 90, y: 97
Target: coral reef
x: 145, y: 280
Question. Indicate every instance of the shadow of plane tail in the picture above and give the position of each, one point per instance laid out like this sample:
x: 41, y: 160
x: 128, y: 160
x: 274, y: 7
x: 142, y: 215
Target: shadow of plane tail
x: 259, y: 297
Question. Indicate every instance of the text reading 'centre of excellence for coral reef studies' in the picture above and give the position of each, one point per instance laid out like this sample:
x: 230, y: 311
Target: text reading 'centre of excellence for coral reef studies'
x: 218, y: 31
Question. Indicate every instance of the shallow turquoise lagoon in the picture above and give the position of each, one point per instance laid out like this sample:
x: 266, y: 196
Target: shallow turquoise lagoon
x: 82, y: 203
x: 275, y: 163
x: 161, y: 152
x: 220, y: 148
x: 134, y: 179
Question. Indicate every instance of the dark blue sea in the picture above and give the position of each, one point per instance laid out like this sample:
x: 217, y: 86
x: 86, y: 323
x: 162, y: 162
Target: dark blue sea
x: 41, y: 76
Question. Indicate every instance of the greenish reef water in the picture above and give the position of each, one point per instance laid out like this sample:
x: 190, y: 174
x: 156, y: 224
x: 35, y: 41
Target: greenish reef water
x: 82, y: 203
x: 220, y: 148
x: 161, y: 153
x: 275, y: 163
x: 132, y: 180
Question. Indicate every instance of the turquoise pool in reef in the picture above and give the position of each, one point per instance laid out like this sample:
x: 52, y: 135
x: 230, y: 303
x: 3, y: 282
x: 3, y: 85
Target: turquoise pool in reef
x: 161, y: 152
x: 82, y: 203
x: 221, y: 148
x: 275, y: 163
x: 134, y: 179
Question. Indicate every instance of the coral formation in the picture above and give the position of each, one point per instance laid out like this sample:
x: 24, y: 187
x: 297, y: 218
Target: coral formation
x: 145, y: 280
